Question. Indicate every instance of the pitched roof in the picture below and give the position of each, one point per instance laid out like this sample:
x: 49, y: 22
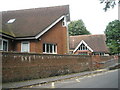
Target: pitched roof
x: 31, y: 22
x: 95, y: 42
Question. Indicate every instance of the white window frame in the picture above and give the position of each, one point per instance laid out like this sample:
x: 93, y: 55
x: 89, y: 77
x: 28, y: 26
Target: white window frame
x: 49, y: 48
x: 22, y: 46
x: 2, y: 43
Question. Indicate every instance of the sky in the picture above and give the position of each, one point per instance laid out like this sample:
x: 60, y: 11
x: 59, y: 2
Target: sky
x: 90, y: 11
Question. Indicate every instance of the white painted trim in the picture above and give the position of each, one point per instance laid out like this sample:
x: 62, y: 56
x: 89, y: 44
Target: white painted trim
x: 6, y: 36
x: 56, y: 49
x: 84, y: 44
x: 1, y: 44
x: 28, y: 45
x: 44, y: 31
x: 25, y: 38
x: 17, y: 38
x: 68, y: 46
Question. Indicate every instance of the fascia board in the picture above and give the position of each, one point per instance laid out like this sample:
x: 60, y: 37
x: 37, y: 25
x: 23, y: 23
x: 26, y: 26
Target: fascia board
x: 84, y: 44
x: 25, y: 38
x: 48, y: 28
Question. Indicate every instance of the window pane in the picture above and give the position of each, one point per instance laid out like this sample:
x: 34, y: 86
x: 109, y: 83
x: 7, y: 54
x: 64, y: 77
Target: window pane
x: 25, y: 47
x: 50, y: 48
x: 0, y: 44
x: 4, y: 46
x: 43, y: 47
x: 80, y: 47
x: 47, y: 48
x: 54, y: 48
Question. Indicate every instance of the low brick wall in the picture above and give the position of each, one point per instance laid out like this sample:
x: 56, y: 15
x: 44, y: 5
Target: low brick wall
x: 25, y: 66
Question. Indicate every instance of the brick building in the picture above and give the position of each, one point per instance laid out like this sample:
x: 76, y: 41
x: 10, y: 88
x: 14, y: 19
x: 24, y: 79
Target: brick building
x: 38, y: 30
x: 88, y: 45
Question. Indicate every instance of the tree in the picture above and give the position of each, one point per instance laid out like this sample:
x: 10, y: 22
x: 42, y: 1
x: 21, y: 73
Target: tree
x: 112, y: 32
x: 109, y: 3
x: 77, y: 28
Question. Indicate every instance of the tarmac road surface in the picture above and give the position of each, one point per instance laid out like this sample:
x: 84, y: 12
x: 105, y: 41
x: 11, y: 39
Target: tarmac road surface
x: 107, y: 79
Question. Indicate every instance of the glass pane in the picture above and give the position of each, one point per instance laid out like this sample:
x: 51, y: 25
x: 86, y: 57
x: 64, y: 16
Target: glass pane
x: 80, y: 47
x: 54, y: 48
x: 25, y: 47
x: 47, y: 48
x: 50, y: 48
x: 83, y: 48
x: 43, y: 47
x: 0, y: 44
x: 4, y: 46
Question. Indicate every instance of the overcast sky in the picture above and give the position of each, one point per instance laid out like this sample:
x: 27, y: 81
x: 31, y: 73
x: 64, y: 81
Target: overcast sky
x: 90, y: 11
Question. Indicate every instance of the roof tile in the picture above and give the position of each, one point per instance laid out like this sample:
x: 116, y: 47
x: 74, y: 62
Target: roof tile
x: 30, y: 22
x: 95, y: 42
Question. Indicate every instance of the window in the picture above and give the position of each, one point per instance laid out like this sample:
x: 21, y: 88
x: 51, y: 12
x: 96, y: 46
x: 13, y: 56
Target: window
x: 82, y: 47
x: 11, y: 20
x: 3, y: 45
x: 49, y: 48
x: 64, y: 23
x: 25, y: 46
x: 82, y: 53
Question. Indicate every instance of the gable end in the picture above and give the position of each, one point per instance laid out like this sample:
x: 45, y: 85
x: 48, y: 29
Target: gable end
x: 82, y: 42
x: 49, y: 27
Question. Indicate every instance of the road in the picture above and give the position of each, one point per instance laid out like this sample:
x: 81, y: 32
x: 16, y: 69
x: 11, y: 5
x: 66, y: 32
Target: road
x: 107, y: 79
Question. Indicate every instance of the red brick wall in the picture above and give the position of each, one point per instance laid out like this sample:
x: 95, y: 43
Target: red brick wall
x: 25, y: 66
x: 56, y: 34
x: 83, y: 51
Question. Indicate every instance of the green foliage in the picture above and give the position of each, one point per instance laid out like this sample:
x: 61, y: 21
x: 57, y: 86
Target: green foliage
x: 113, y: 36
x: 77, y: 28
x: 109, y: 3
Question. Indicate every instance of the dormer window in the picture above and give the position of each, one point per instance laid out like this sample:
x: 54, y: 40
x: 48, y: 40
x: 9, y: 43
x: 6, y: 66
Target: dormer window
x: 11, y: 20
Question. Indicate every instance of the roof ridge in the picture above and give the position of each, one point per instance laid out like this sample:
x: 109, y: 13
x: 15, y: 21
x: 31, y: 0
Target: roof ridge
x: 87, y: 35
x: 24, y: 9
x: 36, y: 20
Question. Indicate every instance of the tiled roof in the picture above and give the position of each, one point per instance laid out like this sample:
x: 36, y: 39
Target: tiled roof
x: 30, y: 22
x: 95, y: 42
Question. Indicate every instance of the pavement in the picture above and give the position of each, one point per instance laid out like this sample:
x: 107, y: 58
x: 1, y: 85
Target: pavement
x: 15, y: 85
